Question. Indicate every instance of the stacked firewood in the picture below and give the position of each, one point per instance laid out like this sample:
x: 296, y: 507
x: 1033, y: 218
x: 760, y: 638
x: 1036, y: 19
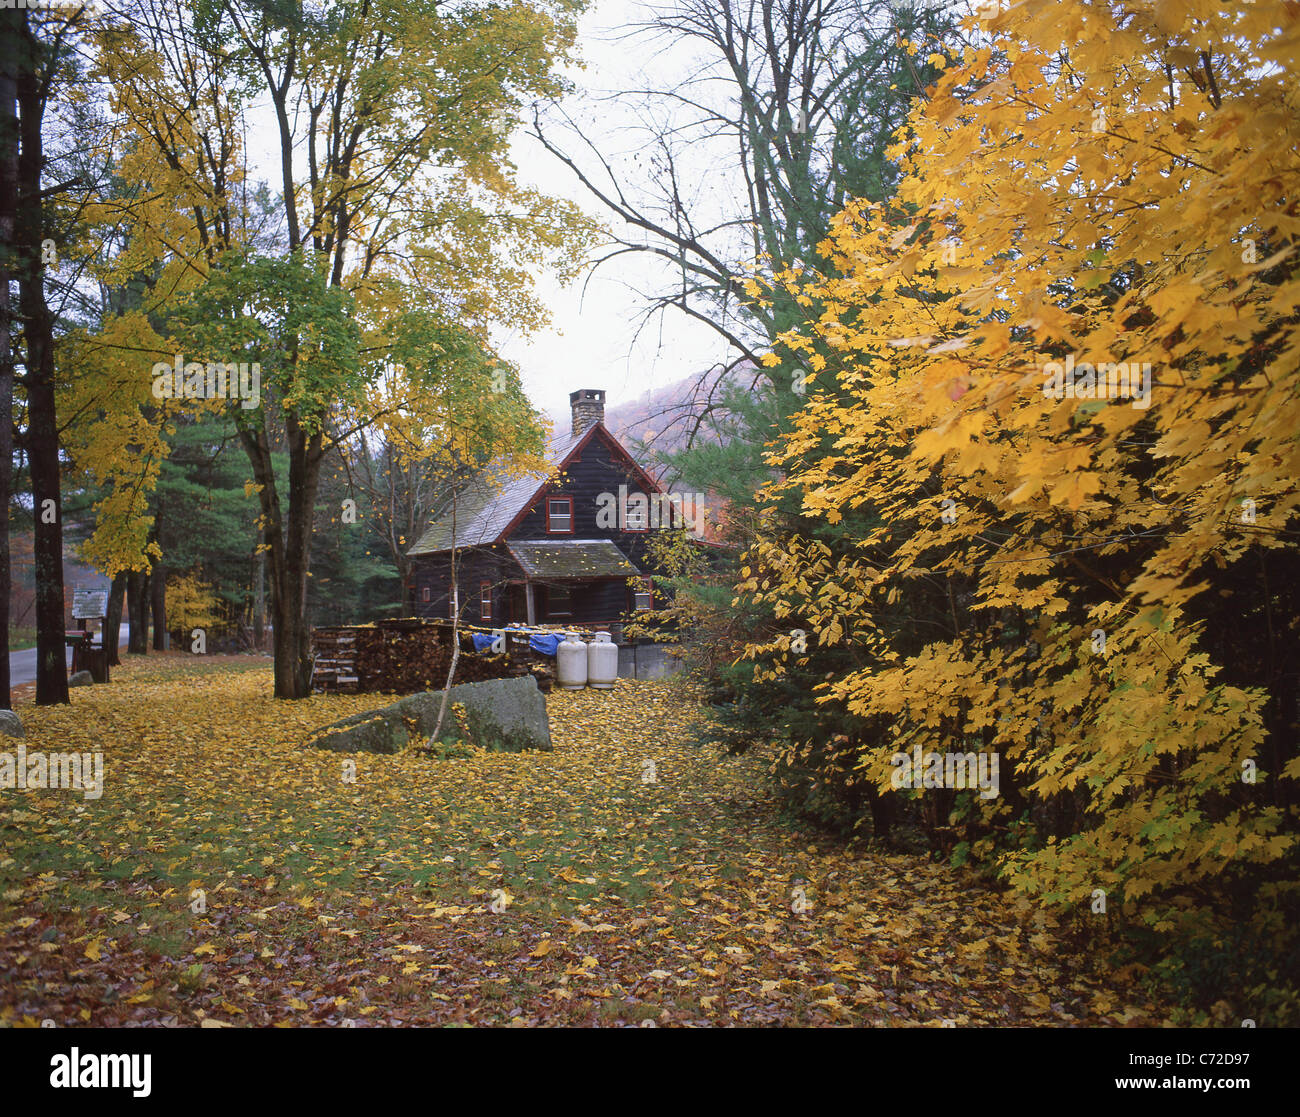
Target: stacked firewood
x: 407, y: 656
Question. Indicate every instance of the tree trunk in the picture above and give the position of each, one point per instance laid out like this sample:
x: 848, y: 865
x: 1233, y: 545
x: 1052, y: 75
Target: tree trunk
x: 158, y: 604
x: 42, y: 425
x: 259, y: 601
x: 146, y: 612
x: 6, y: 480
x: 113, y: 619
x: 9, y: 21
x: 137, y: 609
x: 292, y: 650
x: 43, y: 454
x: 882, y: 815
x: 290, y: 548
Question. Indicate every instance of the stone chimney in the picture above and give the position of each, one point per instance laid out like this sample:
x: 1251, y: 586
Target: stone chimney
x: 588, y: 407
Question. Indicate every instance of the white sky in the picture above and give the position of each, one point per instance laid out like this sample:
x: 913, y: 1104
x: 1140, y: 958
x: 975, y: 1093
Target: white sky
x: 593, y: 342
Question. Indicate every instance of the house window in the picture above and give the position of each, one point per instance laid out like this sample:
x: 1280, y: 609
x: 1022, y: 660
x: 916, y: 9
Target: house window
x: 643, y: 597
x: 425, y: 594
x: 559, y: 515
x: 485, y: 601
x: 559, y: 603
x: 637, y: 515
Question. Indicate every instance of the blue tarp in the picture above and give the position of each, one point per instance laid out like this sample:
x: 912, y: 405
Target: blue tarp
x: 544, y: 643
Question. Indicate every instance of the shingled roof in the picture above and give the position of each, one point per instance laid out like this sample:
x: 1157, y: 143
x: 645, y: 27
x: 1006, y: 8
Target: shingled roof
x: 492, y: 500
x: 572, y: 558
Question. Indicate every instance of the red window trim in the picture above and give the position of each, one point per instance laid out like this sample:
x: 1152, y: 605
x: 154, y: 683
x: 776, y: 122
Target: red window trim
x: 557, y: 531
x: 647, y: 588
x: 485, y: 601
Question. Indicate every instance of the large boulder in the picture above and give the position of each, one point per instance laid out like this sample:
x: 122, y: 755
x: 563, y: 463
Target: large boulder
x: 507, y: 715
x: 378, y: 732
x: 81, y: 678
x: 10, y: 725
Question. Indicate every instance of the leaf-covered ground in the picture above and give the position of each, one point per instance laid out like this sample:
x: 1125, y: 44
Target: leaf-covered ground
x: 630, y: 877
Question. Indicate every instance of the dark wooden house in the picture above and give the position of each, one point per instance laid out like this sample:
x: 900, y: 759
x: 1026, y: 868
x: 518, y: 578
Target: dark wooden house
x: 565, y: 548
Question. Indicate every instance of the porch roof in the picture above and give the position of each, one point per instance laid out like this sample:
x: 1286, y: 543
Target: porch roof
x: 572, y: 558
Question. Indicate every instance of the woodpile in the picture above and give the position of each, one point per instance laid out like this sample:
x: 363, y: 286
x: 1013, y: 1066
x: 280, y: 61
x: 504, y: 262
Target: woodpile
x: 408, y: 656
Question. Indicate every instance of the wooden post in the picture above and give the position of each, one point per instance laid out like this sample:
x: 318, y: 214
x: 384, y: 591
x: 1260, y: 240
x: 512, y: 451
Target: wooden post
x: 528, y: 602
x: 88, y: 605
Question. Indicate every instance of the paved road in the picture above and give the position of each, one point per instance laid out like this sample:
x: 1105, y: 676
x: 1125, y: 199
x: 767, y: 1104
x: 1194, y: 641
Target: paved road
x: 22, y: 665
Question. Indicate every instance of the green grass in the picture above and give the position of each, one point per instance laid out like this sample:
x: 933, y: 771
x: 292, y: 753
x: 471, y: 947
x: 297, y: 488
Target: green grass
x: 21, y: 638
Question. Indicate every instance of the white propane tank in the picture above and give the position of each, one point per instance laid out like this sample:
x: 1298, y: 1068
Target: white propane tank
x: 571, y: 662
x: 602, y: 662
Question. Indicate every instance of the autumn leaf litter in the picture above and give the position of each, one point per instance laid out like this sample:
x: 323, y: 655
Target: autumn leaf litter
x: 231, y: 876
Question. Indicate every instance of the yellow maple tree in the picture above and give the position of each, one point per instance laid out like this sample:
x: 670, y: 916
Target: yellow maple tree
x: 1054, y: 411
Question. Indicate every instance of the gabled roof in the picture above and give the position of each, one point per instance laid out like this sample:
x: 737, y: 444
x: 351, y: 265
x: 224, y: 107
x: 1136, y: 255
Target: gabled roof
x: 571, y: 558
x: 488, y: 509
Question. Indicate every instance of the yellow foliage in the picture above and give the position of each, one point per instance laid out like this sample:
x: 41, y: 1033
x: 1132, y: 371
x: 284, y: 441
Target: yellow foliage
x: 1066, y: 203
x: 191, y: 603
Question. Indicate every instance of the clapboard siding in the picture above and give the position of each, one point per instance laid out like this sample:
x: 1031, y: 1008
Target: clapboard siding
x: 474, y: 565
x: 594, y: 472
x: 603, y: 601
